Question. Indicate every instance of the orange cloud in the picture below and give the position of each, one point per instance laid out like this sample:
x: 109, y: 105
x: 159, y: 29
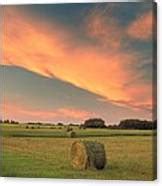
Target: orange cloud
x: 22, y: 112
x: 52, y: 52
x: 104, y: 29
x: 142, y: 27
x: 73, y: 113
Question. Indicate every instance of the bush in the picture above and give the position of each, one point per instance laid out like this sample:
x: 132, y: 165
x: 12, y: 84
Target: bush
x: 82, y: 126
x: 69, y: 129
x: 52, y: 127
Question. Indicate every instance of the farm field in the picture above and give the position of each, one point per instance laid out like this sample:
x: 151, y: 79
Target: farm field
x: 45, y: 152
x: 78, y: 100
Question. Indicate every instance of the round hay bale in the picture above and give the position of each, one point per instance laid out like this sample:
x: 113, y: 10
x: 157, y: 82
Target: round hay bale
x: 69, y: 129
x: 86, y: 154
x: 71, y: 134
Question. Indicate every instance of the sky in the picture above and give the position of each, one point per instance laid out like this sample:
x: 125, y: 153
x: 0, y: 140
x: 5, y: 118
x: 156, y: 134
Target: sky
x: 70, y: 62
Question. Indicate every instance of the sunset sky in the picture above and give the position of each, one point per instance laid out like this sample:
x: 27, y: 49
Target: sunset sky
x: 70, y: 62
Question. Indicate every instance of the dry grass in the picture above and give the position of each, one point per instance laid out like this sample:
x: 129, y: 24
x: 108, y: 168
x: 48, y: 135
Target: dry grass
x: 128, y: 158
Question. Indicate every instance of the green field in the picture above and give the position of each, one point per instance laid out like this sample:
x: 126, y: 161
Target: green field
x: 45, y: 152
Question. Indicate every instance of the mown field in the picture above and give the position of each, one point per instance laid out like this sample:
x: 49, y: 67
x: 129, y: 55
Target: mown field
x: 45, y: 152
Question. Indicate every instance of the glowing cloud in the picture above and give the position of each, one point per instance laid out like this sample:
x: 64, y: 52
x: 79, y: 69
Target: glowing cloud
x: 142, y: 27
x: 23, y: 113
x: 105, y: 30
x: 52, y: 51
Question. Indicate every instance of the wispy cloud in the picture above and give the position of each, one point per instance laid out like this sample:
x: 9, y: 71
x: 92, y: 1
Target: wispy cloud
x: 23, y: 112
x: 104, y: 29
x: 142, y: 27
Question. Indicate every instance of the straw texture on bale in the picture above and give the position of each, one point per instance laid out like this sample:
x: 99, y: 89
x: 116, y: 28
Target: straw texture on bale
x: 86, y: 154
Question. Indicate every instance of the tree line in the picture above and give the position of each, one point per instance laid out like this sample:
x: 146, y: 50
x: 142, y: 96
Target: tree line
x: 100, y: 123
x: 7, y: 121
x: 124, y: 124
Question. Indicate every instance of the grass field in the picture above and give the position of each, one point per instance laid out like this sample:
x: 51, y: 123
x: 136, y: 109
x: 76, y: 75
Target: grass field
x: 45, y: 152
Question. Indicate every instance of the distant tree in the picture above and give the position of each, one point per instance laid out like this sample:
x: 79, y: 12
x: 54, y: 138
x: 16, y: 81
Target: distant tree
x: 113, y: 126
x: 14, y: 122
x: 137, y: 124
x: 30, y: 123
x: 155, y: 124
x: 73, y: 124
x: 94, y: 123
x: 38, y: 123
x: 6, y: 121
x: 60, y: 124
